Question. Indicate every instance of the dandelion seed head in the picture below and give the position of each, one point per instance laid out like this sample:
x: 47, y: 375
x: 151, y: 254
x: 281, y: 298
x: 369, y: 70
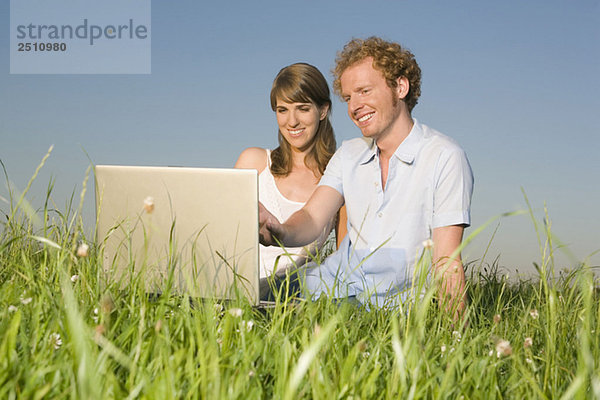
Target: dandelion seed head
x: 503, y: 348
x: 235, y: 312
x: 83, y: 250
x: 149, y: 204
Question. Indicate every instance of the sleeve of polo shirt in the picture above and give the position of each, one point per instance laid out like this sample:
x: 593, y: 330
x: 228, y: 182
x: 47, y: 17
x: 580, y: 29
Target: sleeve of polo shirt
x: 333, y: 173
x: 453, y: 190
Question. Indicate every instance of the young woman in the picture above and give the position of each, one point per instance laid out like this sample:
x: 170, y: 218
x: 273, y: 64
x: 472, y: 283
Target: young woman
x: 289, y: 174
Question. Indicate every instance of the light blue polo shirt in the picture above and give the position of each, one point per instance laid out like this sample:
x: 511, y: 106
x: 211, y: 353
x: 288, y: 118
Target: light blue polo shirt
x: 429, y: 185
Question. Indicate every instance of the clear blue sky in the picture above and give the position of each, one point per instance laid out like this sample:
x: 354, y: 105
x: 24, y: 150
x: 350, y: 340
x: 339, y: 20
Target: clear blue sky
x: 515, y: 83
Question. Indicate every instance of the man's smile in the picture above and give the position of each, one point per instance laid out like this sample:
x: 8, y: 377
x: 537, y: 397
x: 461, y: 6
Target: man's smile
x: 366, y: 117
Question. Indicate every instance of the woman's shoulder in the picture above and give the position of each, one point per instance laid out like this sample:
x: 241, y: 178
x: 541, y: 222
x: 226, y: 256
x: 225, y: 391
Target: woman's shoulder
x: 252, y: 158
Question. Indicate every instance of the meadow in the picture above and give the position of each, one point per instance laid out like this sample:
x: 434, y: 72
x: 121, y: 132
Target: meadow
x: 65, y: 332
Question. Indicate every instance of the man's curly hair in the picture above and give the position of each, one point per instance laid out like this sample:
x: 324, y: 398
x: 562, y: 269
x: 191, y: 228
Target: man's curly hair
x: 389, y: 58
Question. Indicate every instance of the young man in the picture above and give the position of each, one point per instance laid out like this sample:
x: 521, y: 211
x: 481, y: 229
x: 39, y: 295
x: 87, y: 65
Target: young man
x: 403, y: 183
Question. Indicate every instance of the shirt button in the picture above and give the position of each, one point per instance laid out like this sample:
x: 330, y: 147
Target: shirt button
x: 380, y: 215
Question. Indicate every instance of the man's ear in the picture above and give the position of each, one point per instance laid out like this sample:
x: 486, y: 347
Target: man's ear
x: 323, y: 112
x: 402, y: 87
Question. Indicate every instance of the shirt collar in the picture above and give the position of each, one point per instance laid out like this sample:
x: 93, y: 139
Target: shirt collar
x: 411, y: 145
x: 371, y: 151
x: 406, y: 151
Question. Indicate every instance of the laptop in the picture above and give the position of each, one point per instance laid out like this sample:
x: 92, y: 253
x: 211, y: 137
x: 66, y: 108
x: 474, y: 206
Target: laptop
x: 188, y: 230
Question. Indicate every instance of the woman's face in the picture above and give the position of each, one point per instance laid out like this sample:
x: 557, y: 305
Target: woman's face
x: 298, y: 122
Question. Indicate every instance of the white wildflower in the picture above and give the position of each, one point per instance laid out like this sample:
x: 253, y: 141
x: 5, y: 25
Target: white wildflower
x: 12, y: 308
x: 443, y: 348
x: 251, y: 373
x: 528, y: 342
x: 457, y: 336
x: 451, y: 350
x: 529, y: 361
x: 235, y: 312
x: 248, y: 325
x: 428, y: 244
x: 218, y: 308
x: 74, y: 278
x: 26, y: 301
x: 491, y: 353
x: 366, y: 354
x: 83, y: 250
x: 503, y: 348
x: 534, y: 313
x: 55, y: 340
x: 149, y: 204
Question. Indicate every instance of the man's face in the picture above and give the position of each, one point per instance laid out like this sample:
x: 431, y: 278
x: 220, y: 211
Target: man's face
x: 372, y: 105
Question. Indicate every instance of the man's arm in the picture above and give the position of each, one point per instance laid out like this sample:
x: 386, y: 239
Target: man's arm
x: 305, y: 225
x: 449, y: 271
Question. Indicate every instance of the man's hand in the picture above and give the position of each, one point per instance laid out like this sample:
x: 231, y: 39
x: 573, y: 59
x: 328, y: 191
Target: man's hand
x: 269, y: 227
x: 305, y: 225
x: 449, y: 270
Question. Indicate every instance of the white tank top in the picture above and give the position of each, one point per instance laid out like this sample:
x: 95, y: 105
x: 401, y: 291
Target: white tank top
x: 282, y: 208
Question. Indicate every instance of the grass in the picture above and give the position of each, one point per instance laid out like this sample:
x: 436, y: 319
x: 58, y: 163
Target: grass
x: 67, y: 333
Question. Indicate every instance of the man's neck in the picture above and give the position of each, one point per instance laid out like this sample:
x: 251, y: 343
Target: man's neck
x: 388, y: 143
